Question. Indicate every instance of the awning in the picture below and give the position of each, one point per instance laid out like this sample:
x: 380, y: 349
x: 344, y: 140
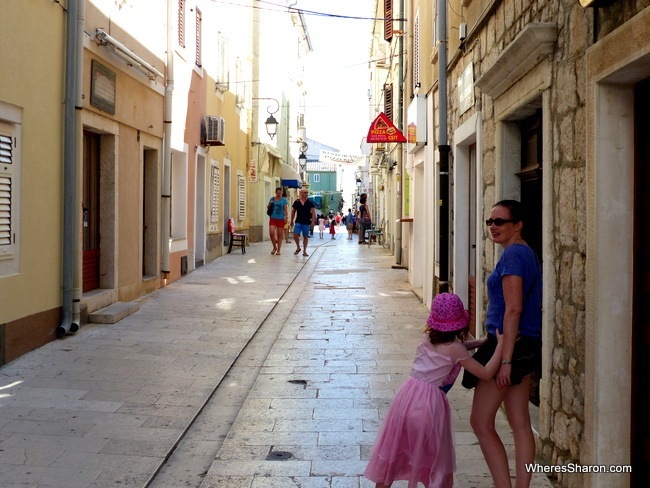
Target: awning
x: 290, y: 177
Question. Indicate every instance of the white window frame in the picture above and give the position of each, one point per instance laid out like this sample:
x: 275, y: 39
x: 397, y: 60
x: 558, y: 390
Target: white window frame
x: 10, y: 179
x: 316, y: 178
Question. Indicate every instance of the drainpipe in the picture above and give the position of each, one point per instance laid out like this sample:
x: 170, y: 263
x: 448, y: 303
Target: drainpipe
x: 443, y: 149
x: 400, y: 159
x: 167, y: 147
x: 71, y: 244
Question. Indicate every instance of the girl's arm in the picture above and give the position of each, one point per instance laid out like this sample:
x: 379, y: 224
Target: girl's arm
x: 474, y: 343
x: 513, y: 295
x: 488, y: 371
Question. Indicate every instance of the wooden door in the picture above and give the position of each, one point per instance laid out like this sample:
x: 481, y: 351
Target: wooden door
x: 90, y: 223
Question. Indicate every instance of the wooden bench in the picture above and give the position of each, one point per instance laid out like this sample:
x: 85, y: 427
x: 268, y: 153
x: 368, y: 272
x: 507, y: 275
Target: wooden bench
x: 236, y: 239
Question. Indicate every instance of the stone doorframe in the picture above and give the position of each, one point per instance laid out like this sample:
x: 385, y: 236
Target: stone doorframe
x: 613, y: 66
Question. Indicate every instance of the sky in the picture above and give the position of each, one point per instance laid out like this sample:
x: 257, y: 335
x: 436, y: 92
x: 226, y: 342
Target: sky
x: 336, y: 72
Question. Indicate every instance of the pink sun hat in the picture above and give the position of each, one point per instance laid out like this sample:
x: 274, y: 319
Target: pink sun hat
x: 447, y: 313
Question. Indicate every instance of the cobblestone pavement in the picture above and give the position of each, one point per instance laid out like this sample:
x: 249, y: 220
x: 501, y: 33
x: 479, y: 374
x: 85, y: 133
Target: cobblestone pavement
x: 252, y: 371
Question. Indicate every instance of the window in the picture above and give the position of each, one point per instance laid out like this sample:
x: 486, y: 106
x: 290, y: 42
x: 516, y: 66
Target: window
x: 388, y: 20
x: 215, y: 178
x: 223, y: 71
x: 241, y: 197
x: 240, y: 83
x: 10, y: 171
x: 181, y: 23
x: 7, y: 190
x: 199, y: 22
x: 388, y: 100
x: 316, y: 178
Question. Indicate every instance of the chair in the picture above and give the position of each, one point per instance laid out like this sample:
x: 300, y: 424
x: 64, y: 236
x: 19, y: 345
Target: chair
x: 236, y: 239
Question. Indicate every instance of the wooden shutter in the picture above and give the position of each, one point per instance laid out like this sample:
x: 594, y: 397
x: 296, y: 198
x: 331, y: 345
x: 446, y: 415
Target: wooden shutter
x: 7, y: 169
x: 416, y: 52
x: 215, y: 181
x: 181, y: 23
x: 199, y: 22
x: 388, y: 100
x: 241, y: 197
x: 388, y: 20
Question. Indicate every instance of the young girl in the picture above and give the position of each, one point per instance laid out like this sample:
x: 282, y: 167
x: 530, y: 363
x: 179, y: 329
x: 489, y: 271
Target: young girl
x: 321, y: 227
x: 416, y: 442
x: 332, y: 230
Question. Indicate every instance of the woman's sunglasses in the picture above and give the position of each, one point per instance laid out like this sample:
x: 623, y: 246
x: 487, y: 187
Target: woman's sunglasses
x: 498, y: 222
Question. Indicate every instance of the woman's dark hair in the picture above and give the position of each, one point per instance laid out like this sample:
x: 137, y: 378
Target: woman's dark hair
x: 437, y: 337
x: 515, y: 208
x: 363, y: 198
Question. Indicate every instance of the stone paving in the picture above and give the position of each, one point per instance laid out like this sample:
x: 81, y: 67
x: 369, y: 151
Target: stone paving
x: 253, y: 371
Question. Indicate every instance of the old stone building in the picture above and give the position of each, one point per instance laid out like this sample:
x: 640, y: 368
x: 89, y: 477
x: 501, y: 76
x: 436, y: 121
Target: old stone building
x: 545, y: 103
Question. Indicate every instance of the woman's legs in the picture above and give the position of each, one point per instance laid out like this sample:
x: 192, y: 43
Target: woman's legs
x: 487, y: 399
x: 278, y: 238
x: 516, y: 403
x: 273, y: 230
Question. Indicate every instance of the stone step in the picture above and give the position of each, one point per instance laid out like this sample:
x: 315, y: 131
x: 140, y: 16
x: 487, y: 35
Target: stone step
x: 113, y: 313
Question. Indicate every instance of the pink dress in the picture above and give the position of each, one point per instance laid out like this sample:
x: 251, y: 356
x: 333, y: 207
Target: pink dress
x: 416, y: 442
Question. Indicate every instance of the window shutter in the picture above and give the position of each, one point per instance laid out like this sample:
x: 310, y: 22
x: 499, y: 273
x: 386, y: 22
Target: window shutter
x: 199, y: 22
x: 223, y: 69
x: 181, y: 23
x: 388, y: 20
x: 214, y: 194
x: 388, y: 100
x: 241, y: 197
x: 416, y: 52
x: 7, y: 168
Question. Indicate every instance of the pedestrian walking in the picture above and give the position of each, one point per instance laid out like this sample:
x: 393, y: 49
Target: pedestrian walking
x: 415, y: 442
x: 333, y: 229
x: 349, y: 223
x: 363, y: 218
x: 515, y: 310
x: 321, y: 227
x: 278, y: 208
x: 303, y: 214
x: 287, y: 227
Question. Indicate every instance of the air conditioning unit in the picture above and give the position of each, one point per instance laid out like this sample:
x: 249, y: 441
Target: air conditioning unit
x: 214, y: 131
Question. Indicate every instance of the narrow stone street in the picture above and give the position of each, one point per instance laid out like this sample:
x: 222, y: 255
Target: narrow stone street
x: 253, y: 371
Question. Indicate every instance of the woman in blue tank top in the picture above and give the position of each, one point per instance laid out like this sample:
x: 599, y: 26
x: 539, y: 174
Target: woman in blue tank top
x: 514, y: 309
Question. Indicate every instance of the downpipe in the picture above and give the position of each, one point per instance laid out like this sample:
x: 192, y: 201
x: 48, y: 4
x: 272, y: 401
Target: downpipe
x: 71, y: 246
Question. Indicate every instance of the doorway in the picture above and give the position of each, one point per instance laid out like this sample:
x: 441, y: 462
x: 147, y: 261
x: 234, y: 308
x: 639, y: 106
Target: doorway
x: 91, y: 211
x: 640, y: 435
x: 149, y: 213
x: 226, y: 204
x: 199, y: 212
x: 471, y: 230
x: 530, y: 176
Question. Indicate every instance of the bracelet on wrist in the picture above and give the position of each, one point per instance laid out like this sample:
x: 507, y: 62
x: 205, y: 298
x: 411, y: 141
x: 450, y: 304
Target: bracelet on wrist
x: 506, y: 361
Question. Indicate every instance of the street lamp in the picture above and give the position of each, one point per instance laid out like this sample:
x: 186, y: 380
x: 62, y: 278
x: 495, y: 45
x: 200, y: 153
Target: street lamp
x: 271, y: 123
x: 302, y: 161
x: 271, y: 126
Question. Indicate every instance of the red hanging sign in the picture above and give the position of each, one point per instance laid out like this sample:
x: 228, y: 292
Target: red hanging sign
x: 383, y: 130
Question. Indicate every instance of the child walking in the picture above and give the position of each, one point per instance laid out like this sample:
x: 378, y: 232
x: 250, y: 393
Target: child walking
x: 332, y: 229
x: 416, y: 442
x: 321, y: 227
